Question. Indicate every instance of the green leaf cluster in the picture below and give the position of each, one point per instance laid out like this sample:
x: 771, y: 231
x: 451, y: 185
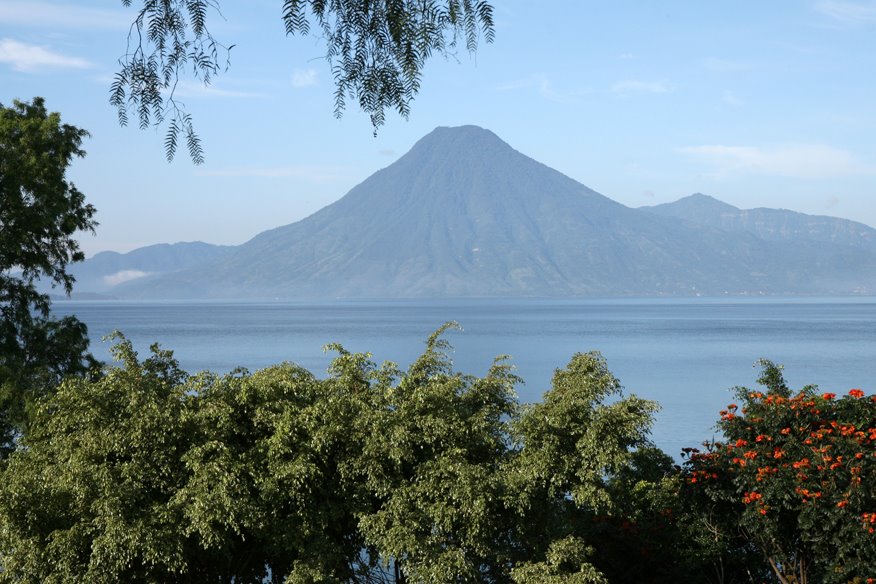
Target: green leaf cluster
x: 376, y: 50
x: 40, y: 213
x: 372, y: 474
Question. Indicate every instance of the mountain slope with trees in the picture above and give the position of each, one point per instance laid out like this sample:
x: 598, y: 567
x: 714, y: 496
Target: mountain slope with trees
x: 107, y: 269
x: 464, y: 214
x: 768, y: 224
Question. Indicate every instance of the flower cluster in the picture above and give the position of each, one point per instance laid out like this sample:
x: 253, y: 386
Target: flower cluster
x: 798, y: 467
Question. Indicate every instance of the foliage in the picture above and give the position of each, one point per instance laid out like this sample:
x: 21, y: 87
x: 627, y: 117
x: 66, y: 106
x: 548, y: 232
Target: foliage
x: 795, y: 474
x: 369, y: 475
x: 146, y: 475
x: 90, y: 498
x: 377, y: 475
x: 573, y: 443
x: 376, y: 50
x: 40, y: 211
x: 434, y: 462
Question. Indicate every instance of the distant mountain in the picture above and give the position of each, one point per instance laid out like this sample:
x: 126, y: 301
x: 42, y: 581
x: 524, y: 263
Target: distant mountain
x: 106, y: 270
x: 464, y: 214
x: 768, y: 224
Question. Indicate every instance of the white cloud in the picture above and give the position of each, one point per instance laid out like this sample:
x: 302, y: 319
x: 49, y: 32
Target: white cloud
x: 124, y: 276
x: 25, y: 57
x: 197, y: 90
x: 638, y: 86
x: 790, y: 160
x: 41, y: 14
x: 848, y: 12
x: 305, y: 78
x: 732, y: 100
x: 546, y: 89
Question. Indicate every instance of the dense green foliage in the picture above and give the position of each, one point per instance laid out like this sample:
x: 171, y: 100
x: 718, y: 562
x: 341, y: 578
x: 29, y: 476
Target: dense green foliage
x: 40, y: 212
x: 375, y: 474
x: 369, y: 475
x: 376, y: 50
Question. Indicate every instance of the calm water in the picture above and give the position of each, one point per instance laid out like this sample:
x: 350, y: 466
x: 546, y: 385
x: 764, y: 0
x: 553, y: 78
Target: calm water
x: 686, y: 354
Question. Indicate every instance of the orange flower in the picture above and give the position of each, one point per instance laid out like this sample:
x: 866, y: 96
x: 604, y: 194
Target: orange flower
x: 856, y: 393
x: 828, y: 395
x: 751, y: 497
x: 801, y: 463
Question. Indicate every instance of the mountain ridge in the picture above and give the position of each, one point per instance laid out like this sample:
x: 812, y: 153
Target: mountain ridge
x: 766, y: 223
x: 462, y: 213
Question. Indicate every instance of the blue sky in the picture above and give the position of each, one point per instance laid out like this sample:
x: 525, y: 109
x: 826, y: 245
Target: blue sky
x: 755, y: 103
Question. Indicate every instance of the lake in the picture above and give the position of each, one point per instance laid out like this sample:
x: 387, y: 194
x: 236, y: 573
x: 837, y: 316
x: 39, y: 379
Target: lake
x: 684, y: 353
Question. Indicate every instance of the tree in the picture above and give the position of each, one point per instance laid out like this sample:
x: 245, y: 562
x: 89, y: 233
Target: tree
x: 434, y: 459
x: 574, y: 443
x: 90, y: 498
x: 793, y: 473
x: 40, y: 211
x: 376, y: 51
x: 148, y: 474
x: 369, y: 476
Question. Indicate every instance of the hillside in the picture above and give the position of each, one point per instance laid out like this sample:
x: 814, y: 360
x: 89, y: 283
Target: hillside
x: 768, y: 224
x: 464, y: 214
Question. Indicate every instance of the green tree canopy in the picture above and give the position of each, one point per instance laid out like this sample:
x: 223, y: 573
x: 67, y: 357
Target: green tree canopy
x: 40, y: 212
x: 574, y: 443
x: 371, y: 475
x: 376, y: 51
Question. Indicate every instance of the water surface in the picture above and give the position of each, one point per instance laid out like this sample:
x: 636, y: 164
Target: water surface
x: 684, y: 353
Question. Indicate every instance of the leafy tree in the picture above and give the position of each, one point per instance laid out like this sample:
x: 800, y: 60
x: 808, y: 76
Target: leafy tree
x: 267, y: 493
x: 40, y: 211
x: 147, y: 474
x: 371, y: 475
x: 793, y: 474
x: 643, y: 539
x: 574, y: 442
x: 434, y: 460
x: 90, y: 499
x: 377, y: 51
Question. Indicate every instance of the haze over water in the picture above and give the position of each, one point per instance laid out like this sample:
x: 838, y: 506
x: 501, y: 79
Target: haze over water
x: 684, y: 353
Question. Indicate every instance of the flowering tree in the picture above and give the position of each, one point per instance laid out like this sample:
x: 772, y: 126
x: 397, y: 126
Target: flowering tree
x: 796, y: 473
